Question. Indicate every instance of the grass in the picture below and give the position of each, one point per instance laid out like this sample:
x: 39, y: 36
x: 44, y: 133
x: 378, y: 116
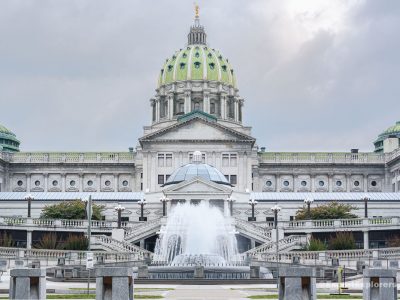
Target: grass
x: 320, y: 296
x: 136, y: 289
x: 92, y: 296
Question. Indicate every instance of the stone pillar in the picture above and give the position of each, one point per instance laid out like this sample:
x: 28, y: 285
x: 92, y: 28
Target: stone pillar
x: 297, y: 283
x: 27, y: 284
x: 63, y: 182
x: 157, y: 110
x: 366, y: 239
x: 141, y: 243
x: 236, y: 105
x: 143, y: 272
x: 365, y: 187
x: 206, y: 103
x: 198, y: 272
x: 116, y: 183
x: 46, y: 182
x: 223, y: 106
x: 170, y: 106
x: 28, y: 239
x: 114, y: 283
x: 379, y: 284
x: 254, y: 272
x: 80, y: 183
x: 188, y: 103
x: 252, y: 243
x: 28, y: 182
x: 348, y: 182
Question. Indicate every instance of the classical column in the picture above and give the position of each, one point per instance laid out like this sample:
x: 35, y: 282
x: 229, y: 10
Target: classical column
x: 206, y: 102
x: 46, y: 182
x: 80, y: 182
x: 366, y: 239
x: 223, y: 107
x: 64, y: 182
x: 312, y: 179
x: 28, y: 239
x: 157, y: 110
x: 188, y: 103
x: 98, y: 182
x: 348, y: 183
x: 28, y: 182
x: 115, y: 182
x: 365, y: 187
x: 170, y: 106
x: 330, y: 182
x: 236, y: 104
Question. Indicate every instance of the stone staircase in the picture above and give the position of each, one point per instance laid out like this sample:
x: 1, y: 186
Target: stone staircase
x: 106, y: 243
x: 289, y: 243
x: 142, y: 230
x: 253, y: 231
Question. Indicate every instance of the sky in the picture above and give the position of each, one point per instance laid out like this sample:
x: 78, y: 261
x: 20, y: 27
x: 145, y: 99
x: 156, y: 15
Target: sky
x: 316, y: 75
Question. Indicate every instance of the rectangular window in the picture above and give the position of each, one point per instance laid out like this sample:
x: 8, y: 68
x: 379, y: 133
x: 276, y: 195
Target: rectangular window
x: 160, y: 179
x: 225, y: 160
x: 168, y: 160
x: 203, y: 158
x: 161, y: 160
x: 233, y: 179
x: 233, y: 162
x: 167, y: 177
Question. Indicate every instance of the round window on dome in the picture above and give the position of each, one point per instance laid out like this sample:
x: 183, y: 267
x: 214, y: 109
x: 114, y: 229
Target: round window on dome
x: 356, y: 183
x: 107, y: 183
x: 72, y: 183
x: 125, y: 183
x: 197, y: 54
x: 37, y: 183
x: 170, y: 67
x: 184, y: 55
x: 321, y: 183
x: 182, y: 66
x: 339, y: 183
x: 286, y: 183
x: 209, y: 55
x: 20, y: 182
x: 197, y: 64
x: 374, y: 183
x: 304, y: 183
x: 90, y: 183
x: 212, y: 66
x: 268, y: 183
x: 223, y: 68
x: 54, y: 183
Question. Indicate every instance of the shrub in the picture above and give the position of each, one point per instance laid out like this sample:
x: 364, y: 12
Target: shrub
x: 71, y: 210
x: 342, y: 241
x: 6, y: 240
x: 394, y: 241
x: 48, y: 241
x: 331, y: 210
x: 75, y: 242
x: 315, y: 245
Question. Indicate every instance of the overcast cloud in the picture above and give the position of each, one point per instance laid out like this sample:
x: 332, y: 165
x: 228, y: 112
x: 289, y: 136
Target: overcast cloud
x: 316, y: 75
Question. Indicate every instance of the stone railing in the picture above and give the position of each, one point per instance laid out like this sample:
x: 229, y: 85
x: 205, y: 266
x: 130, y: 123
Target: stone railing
x: 360, y: 224
x: 283, y: 244
x: 73, y: 256
x: 68, y: 157
x: 114, y: 245
x: 323, y: 256
x: 139, y: 230
x: 393, y: 155
x: 304, y: 157
x: 258, y: 230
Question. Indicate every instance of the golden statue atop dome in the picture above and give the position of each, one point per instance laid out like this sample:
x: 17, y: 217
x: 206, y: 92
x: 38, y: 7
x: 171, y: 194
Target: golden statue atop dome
x: 197, y: 10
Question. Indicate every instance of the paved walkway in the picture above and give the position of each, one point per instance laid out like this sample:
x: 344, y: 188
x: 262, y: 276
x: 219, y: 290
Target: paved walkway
x: 209, y: 292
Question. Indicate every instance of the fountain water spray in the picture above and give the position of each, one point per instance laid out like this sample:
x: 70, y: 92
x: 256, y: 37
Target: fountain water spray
x: 196, y: 235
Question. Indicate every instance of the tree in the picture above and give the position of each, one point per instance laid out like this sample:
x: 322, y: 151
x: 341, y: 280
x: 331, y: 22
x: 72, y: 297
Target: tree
x: 75, y: 209
x: 331, y: 210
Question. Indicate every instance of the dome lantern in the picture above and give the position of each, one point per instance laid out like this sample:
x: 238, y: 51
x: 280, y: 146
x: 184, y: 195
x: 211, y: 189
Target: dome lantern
x: 8, y: 140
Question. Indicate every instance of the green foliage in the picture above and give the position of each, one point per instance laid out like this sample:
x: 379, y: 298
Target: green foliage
x: 342, y: 241
x: 6, y: 240
x: 71, y: 210
x: 315, y: 245
x: 75, y: 242
x: 48, y: 241
x: 331, y: 210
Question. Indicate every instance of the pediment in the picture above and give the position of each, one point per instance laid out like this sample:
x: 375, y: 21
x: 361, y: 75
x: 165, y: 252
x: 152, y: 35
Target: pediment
x: 197, y: 129
x: 198, y: 185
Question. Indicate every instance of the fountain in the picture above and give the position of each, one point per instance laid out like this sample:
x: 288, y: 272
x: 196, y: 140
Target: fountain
x: 199, y: 236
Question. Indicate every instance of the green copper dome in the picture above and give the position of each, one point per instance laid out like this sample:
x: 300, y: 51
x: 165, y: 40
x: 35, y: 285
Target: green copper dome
x: 8, y: 140
x: 392, y: 131
x: 197, y: 62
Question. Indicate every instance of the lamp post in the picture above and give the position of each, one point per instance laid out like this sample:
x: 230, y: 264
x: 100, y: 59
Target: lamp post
x: 142, y: 203
x: 29, y: 198
x: 164, y: 201
x: 88, y: 205
x: 119, y: 209
x: 252, y: 203
x: 366, y: 199
x: 230, y: 202
x: 308, y: 202
x: 275, y: 209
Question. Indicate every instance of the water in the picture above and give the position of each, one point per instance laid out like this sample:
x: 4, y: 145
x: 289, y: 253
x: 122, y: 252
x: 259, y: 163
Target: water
x: 196, y: 235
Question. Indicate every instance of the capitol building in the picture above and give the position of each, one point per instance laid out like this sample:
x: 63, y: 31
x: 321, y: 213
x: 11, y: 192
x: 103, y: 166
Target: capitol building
x: 196, y: 149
